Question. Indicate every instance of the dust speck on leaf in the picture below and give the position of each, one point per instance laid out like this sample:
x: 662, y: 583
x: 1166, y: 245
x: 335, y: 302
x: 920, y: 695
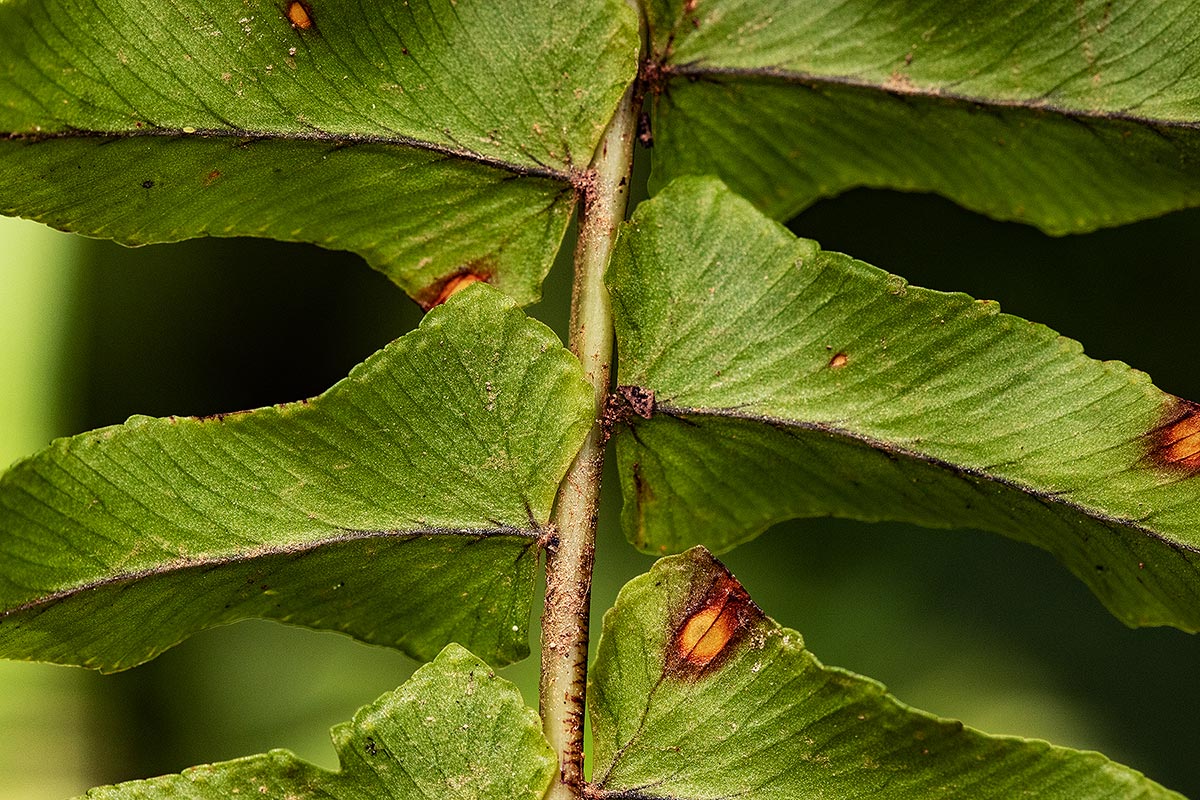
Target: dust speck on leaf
x: 900, y: 83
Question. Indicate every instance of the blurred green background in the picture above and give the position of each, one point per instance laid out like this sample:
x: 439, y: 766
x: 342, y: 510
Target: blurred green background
x: 963, y: 624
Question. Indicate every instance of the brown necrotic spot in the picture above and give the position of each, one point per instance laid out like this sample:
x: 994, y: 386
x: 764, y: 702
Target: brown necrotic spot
x: 1175, y: 445
x: 838, y: 361
x: 300, y: 15
x: 713, y: 627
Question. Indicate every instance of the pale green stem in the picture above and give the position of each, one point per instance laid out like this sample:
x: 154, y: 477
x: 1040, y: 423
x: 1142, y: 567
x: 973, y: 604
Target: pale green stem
x: 569, y: 562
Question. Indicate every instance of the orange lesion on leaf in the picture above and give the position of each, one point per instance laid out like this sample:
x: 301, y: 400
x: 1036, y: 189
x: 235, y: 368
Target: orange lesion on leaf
x: 300, y: 15
x: 706, y: 634
x: 838, y: 361
x: 713, y: 627
x: 443, y: 290
x: 1176, y: 444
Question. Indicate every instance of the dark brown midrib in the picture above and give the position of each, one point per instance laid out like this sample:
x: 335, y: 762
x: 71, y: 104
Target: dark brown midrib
x: 1042, y: 496
x: 295, y: 549
x: 337, y: 140
x: 700, y: 71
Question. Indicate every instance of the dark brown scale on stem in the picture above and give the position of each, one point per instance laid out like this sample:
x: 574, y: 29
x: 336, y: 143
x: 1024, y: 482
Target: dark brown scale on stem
x: 623, y: 404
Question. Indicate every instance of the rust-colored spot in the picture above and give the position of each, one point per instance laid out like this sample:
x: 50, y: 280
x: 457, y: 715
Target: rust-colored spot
x: 705, y: 635
x: 300, y: 15
x: 452, y: 287
x: 1176, y: 443
x: 446, y: 288
x: 838, y: 361
x: 712, y: 627
x: 211, y: 177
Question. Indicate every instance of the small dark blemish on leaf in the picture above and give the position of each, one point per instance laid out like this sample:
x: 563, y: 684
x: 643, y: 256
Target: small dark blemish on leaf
x: 211, y: 177
x: 300, y: 15
x: 1175, y: 444
x: 643, y: 494
x: 221, y: 416
x: 147, y: 184
x: 838, y: 361
x: 370, y: 746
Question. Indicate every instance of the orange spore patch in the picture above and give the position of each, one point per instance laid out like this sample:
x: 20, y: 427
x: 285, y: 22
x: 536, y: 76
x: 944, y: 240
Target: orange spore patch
x: 299, y: 15
x: 456, y: 285
x: 1178, y: 442
x: 705, y: 635
x: 710, y: 632
x: 838, y: 361
x: 439, y: 293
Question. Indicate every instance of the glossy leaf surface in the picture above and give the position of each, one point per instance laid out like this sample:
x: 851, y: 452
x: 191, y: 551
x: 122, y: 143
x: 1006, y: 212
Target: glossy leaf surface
x: 403, y: 506
x: 434, y: 138
x: 454, y: 731
x: 791, y: 382
x: 696, y: 694
x: 1070, y: 115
